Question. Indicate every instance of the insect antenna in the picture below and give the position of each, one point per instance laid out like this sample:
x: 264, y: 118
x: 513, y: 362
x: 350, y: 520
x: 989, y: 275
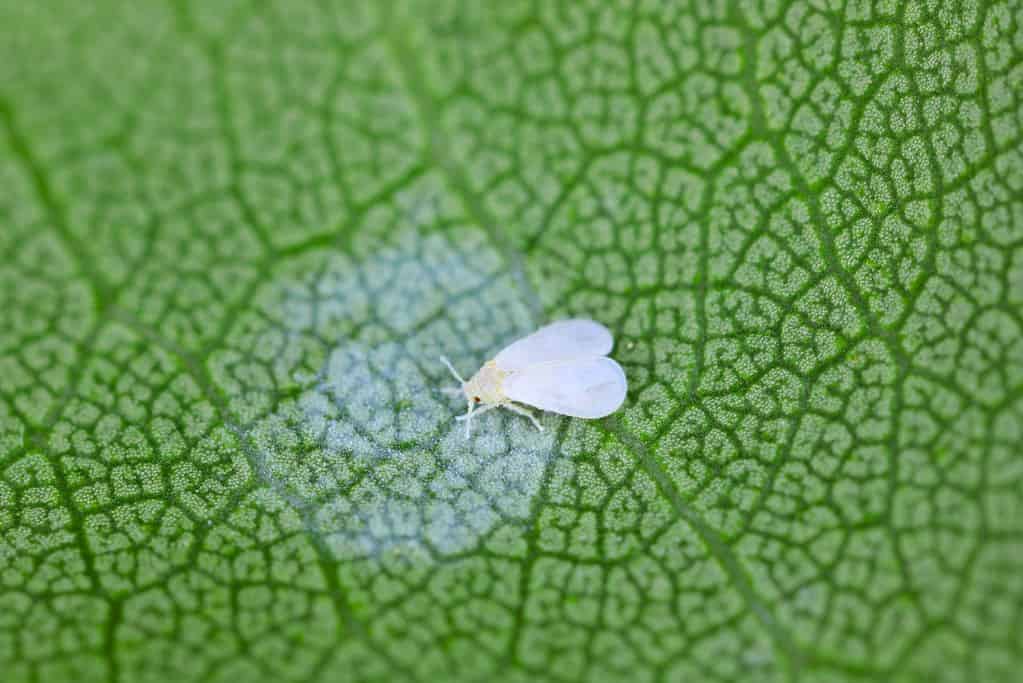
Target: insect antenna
x: 452, y: 369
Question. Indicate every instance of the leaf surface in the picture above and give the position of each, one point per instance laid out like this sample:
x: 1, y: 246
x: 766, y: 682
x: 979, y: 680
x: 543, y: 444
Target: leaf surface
x: 236, y: 237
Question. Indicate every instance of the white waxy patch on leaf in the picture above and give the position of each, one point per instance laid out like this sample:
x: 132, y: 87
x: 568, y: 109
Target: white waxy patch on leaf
x: 364, y: 445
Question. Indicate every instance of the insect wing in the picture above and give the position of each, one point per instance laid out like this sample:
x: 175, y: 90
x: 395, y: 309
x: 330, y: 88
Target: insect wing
x: 587, y: 388
x: 559, y: 341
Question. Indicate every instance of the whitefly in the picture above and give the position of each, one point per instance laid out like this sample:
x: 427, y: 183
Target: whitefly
x: 562, y: 368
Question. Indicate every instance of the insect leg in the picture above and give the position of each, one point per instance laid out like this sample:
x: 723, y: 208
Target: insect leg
x: 478, y: 411
x: 466, y: 417
x: 519, y: 410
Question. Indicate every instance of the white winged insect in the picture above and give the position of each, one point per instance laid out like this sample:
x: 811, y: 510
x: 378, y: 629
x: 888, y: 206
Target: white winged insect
x: 562, y: 367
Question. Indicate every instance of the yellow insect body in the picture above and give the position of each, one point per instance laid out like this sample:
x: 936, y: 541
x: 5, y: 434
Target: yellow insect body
x: 485, y: 386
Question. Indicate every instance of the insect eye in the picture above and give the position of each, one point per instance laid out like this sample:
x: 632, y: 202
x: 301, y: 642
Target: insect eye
x: 476, y: 398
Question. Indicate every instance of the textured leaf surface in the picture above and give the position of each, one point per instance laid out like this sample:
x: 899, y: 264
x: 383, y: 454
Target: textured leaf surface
x: 237, y: 235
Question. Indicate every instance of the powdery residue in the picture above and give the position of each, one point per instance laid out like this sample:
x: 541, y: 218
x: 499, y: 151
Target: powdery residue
x: 365, y: 444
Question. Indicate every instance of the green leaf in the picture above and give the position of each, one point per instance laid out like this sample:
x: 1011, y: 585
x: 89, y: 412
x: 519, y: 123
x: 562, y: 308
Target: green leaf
x: 236, y: 237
